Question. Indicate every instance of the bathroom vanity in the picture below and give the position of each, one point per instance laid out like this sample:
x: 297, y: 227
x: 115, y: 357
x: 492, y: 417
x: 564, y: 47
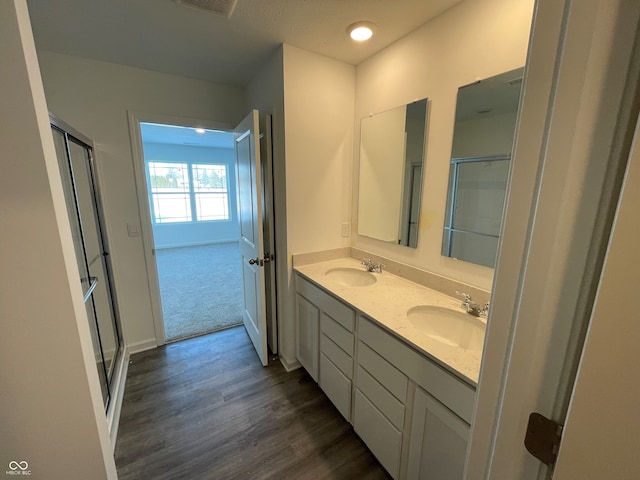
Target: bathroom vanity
x: 399, y: 361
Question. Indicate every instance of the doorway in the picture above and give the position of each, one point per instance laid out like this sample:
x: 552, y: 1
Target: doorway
x: 191, y: 189
x: 209, y: 193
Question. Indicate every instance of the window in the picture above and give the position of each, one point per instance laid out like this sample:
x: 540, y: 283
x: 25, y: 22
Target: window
x: 210, y: 190
x: 185, y: 192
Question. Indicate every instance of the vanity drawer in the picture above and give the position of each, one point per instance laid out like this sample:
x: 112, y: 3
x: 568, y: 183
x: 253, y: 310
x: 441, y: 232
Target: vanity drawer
x: 389, y: 405
x: 456, y: 394
x: 336, y: 332
x: 389, y: 376
x: 337, y: 310
x: 383, y: 439
x: 334, y: 353
x: 336, y: 386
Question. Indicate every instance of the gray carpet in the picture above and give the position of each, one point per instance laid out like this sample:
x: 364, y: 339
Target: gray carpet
x: 201, y: 288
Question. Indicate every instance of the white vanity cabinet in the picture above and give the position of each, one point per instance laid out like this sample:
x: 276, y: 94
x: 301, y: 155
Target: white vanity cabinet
x: 329, y: 323
x: 407, y: 379
x: 308, y: 318
x: 410, y: 411
x: 380, y: 404
x: 438, y: 441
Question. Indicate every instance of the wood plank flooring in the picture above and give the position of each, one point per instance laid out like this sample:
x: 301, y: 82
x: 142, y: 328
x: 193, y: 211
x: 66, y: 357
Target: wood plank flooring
x: 205, y: 408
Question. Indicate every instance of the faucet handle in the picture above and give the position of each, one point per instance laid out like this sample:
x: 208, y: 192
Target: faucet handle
x: 377, y: 267
x: 466, y: 302
x: 466, y: 296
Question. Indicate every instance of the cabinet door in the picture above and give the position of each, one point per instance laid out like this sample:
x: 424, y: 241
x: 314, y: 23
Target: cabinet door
x: 307, y: 315
x: 438, y: 441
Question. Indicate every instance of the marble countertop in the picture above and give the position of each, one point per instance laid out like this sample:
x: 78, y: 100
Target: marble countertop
x: 387, y: 301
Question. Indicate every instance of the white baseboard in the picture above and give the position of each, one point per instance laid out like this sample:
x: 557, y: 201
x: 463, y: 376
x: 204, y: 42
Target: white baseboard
x: 288, y: 365
x: 113, y: 415
x: 196, y: 244
x: 142, y: 346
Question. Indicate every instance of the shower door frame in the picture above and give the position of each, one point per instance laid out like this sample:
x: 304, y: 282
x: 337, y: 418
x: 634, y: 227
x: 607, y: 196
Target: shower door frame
x: 111, y: 374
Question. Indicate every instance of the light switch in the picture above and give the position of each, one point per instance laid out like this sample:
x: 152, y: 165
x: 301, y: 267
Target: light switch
x: 133, y: 229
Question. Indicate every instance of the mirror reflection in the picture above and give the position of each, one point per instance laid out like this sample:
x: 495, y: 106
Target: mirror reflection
x: 485, y: 122
x: 391, y: 164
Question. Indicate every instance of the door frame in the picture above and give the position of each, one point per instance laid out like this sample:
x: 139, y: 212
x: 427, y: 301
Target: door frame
x: 269, y: 226
x: 605, y: 446
x: 146, y: 227
x: 569, y: 155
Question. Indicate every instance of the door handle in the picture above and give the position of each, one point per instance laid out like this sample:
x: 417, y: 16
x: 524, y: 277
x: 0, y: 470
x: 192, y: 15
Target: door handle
x: 260, y: 261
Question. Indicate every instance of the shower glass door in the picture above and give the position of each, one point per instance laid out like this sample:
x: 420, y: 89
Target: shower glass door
x: 77, y: 172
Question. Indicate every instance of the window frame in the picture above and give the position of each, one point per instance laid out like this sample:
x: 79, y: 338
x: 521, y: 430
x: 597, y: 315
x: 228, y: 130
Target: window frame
x: 190, y: 192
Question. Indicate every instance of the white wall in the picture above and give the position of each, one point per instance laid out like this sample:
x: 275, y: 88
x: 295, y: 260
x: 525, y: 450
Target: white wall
x: 473, y: 40
x: 167, y: 235
x: 318, y: 99
x: 318, y: 107
x: 94, y: 98
x: 52, y: 414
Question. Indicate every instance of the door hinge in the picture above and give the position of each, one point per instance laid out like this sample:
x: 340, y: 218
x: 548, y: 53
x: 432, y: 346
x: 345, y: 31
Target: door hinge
x: 543, y: 438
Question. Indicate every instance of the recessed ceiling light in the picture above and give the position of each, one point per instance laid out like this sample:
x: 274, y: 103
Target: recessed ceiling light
x: 361, y: 31
x: 200, y: 130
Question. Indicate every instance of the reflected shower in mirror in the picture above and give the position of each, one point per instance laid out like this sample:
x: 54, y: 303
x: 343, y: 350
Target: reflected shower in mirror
x: 485, y: 122
x: 390, y: 181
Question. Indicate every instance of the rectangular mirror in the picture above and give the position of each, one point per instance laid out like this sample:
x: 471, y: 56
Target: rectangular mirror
x: 392, y: 147
x: 485, y: 122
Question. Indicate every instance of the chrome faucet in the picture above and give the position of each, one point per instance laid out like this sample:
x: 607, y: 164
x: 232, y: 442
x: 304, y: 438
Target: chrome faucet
x: 371, y: 266
x: 473, y: 308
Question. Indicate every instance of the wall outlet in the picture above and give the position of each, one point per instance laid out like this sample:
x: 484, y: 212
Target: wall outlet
x: 346, y: 227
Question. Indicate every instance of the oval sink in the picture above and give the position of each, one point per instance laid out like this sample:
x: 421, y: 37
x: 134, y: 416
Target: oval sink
x: 351, y: 277
x: 448, y: 326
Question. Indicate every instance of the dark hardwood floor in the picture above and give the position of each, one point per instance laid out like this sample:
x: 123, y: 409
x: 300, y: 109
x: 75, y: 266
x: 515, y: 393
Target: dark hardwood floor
x: 205, y: 408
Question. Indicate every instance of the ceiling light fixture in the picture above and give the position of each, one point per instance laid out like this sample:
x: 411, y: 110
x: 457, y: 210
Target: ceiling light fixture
x: 200, y: 130
x: 361, y: 31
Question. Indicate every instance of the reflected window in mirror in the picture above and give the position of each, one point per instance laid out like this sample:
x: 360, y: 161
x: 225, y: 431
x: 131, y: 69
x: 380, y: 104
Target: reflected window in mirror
x: 392, y: 147
x: 485, y: 121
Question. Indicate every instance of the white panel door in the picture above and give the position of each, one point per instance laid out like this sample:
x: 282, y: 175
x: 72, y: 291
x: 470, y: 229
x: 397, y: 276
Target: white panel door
x: 251, y: 236
x: 601, y: 436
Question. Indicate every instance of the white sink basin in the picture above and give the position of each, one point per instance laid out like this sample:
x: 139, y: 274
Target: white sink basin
x: 451, y: 327
x: 351, y: 277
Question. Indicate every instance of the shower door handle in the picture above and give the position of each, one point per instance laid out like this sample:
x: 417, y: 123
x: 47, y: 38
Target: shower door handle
x: 93, y: 282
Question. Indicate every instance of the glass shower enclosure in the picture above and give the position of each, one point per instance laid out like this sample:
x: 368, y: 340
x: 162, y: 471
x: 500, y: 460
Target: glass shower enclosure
x: 77, y: 169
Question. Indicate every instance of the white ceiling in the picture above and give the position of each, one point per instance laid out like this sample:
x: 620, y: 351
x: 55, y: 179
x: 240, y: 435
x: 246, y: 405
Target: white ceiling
x: 175, y: 135
x: 164, y: 36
